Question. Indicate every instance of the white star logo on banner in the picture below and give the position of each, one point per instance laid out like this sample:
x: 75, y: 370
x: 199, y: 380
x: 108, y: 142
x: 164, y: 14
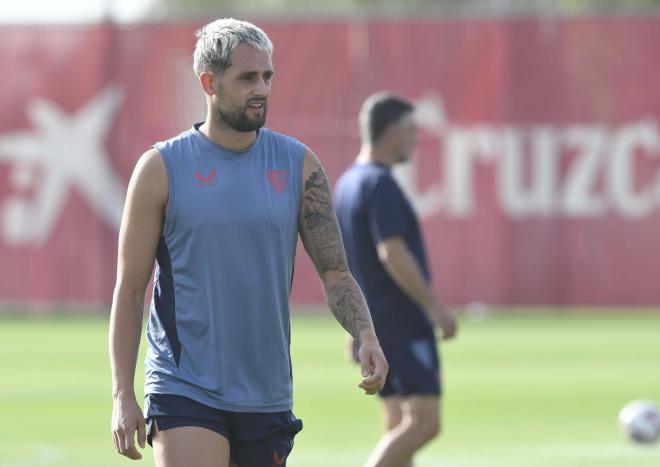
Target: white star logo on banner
x: 67, y: 151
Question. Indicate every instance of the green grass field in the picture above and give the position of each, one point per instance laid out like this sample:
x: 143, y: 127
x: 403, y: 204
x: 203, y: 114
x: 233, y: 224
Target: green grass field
x: 522, y: 389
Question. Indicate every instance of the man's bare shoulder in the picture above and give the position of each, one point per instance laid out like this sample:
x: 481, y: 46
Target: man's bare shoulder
x: 310, y: 160
x: 151, y: 165
x: 150, y: 176
x: 313, y: 172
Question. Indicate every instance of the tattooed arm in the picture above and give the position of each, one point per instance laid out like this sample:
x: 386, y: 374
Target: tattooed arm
x: 321, y: 237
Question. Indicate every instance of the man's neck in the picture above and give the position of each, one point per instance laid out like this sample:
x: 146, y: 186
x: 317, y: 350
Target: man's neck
x: 227, y: 137
x: 370, y: 154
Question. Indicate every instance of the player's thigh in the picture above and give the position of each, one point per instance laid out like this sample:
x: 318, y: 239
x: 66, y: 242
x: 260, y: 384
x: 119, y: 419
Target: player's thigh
x: 392, y: 411
x: 190, y: 446
x: 425, y: 411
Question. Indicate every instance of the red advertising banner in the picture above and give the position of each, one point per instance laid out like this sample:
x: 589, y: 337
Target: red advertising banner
x: 537, y: 176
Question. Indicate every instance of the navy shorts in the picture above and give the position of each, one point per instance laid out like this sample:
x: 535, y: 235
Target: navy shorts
x: 255, y: 439
x: 414, y: 368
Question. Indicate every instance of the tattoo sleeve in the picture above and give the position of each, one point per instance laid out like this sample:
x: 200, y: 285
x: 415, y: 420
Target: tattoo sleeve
x: 347, y: 303
x: 321, y: 236
x: 320, y: 224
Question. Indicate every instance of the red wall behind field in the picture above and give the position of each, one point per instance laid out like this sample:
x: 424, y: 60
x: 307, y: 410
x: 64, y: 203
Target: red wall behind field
x: 537, y: 174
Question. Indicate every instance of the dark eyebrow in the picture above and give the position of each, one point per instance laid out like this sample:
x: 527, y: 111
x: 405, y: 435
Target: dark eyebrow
x: 247, y: 74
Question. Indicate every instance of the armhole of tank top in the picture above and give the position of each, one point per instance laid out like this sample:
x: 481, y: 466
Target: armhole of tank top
x: 171, y: 199
x: 299, y: 162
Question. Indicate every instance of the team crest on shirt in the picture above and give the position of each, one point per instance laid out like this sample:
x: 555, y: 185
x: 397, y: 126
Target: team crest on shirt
x: 277, y: 179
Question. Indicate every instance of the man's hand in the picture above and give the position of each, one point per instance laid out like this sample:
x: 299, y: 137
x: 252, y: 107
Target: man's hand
x: 444, y: 319
x: 126, y: 420
x: 374, y: 366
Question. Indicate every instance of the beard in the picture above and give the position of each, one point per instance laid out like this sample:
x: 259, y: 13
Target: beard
x: 239, y: 120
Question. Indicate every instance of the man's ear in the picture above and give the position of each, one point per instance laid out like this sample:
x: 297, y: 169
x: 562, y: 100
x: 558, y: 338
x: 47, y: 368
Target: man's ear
x: 390, y: 133
x: 207, y: 79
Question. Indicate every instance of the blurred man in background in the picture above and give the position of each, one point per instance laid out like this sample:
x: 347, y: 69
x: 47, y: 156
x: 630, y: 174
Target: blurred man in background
x: 386, y: 256
x: 220, y: 207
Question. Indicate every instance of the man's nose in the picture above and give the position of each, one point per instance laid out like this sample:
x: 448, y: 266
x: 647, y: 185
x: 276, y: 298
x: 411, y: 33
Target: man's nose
x: 262, y: 88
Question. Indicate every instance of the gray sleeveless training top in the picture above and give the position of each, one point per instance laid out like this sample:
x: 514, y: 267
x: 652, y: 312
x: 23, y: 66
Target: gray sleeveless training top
x: 218, y: 330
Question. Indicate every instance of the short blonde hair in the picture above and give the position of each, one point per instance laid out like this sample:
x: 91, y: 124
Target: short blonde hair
x: 217, y: 40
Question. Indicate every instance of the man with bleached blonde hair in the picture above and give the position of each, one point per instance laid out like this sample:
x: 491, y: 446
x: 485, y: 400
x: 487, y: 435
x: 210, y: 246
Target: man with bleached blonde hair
x: 220, y: 208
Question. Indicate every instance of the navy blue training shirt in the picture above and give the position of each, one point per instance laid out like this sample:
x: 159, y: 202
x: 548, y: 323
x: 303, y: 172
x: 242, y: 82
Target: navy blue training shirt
x: 371, y: 208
